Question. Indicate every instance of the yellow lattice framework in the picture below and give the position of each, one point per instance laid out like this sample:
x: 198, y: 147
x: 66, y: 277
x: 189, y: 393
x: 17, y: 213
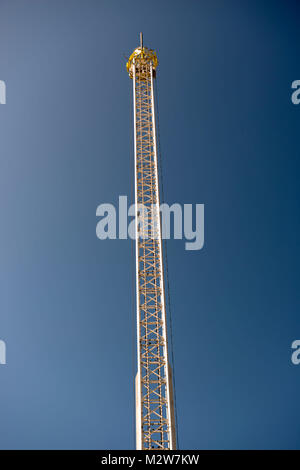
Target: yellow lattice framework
x: 155, y: 422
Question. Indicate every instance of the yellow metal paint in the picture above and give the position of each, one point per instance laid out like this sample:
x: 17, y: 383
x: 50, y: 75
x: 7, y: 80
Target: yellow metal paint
x: 142, y: 53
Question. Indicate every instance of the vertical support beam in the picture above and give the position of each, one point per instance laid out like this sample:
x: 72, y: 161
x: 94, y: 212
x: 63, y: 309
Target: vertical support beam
x: 138, y: 407
x: 163, y: 308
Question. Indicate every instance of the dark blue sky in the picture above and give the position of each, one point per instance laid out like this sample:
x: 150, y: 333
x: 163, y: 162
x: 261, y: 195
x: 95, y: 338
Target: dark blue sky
x: 229, y: 139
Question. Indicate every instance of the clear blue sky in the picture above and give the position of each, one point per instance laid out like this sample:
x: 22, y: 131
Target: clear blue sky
x: 229, y: 139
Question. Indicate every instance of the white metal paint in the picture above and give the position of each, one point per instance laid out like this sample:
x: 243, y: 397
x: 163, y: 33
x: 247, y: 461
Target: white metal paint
x: 138, y: 376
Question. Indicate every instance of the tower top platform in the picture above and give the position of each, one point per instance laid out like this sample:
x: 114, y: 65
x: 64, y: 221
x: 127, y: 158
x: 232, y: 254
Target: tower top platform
x: 141, y: 56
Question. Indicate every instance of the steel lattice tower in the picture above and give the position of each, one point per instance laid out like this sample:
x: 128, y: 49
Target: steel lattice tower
x: 155, y: 420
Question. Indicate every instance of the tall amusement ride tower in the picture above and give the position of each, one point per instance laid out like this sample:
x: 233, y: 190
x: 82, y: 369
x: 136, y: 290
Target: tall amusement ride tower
x: 155, y: 418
